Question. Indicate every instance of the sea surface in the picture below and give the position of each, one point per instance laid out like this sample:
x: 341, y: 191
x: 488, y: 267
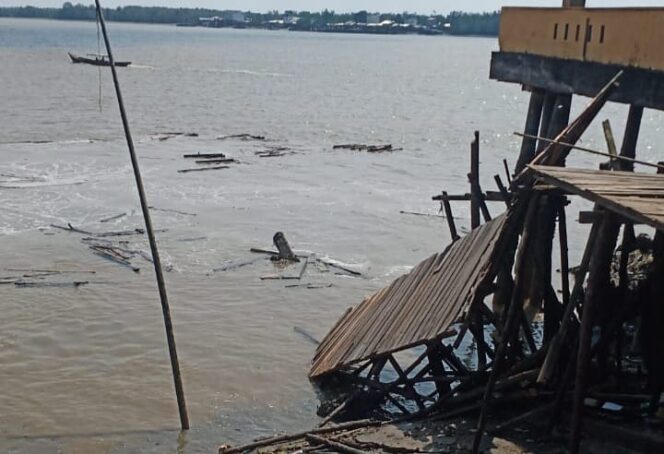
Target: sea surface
x: 86, y: 369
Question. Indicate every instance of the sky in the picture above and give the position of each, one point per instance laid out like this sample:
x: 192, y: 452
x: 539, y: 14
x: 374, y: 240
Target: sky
x: 420, y: 6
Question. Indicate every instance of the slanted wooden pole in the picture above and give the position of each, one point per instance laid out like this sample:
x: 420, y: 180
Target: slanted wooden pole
x: 449, y: 216
x: 168, y: 324
x: 528, y: 145
x: 474, y: 182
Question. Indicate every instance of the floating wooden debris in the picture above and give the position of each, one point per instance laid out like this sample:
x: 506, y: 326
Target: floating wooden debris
x: 274, y: 152
x: 202, y: 169
x: 204, y: 156
x: 235, y: 264
x: 216, y: 161
x: 367, y: 148
x: 414, y: 213
x: 170, y: 135
x: 71, y: 228
x: 242, y: 137
x: 113, y: 218
x: 168, y: 210
x: 75, y: 284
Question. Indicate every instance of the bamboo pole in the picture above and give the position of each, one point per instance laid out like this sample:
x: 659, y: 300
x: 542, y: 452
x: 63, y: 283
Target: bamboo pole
x: 170, y: 336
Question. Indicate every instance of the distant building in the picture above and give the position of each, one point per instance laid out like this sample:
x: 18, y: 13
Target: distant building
x: 214, y: 21
x: 373, y: 18
x: 412, y: 21
x: 234, y: 17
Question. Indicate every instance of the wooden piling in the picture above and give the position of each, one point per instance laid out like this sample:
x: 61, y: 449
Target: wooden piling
x: 631, y: 137
x: 596, y: 287
x: 528, y: 145
x: 449, y: 216
x: 168, y: 324
x: 474, y: 182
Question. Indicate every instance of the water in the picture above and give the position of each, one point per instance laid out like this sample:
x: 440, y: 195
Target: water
x: 87, y: 369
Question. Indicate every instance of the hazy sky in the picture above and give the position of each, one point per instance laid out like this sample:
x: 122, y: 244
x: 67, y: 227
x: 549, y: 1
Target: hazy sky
x: 422, y: 6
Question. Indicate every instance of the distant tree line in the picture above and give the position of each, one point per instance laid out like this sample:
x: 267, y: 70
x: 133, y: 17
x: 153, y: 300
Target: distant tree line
x: 458, y: 23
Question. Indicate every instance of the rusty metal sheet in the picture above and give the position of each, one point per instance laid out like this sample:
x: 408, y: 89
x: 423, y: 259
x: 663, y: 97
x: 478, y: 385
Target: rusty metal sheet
x: 636, y: 196
x: 417, y: 307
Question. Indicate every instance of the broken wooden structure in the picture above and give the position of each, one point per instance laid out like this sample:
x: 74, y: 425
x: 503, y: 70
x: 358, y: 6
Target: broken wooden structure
x: 561, y: 347
x: 584, y: 353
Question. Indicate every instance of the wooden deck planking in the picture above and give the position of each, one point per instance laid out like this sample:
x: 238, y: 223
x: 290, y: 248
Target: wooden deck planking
x: 416, y: 308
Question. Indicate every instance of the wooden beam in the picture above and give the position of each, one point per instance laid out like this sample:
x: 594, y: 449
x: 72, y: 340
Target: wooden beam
x: 639, y: 87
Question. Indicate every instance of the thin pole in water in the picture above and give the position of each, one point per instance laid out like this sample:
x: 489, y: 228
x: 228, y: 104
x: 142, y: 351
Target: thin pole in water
x: 179, y: 391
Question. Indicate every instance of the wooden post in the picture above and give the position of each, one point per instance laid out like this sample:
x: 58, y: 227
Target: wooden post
x: 474, y: 182
x: 168, y: 324
x: 437, y: 368
x: 450, y: 218
x: 285, y: 251
x: 564, y: 256
x: 631, y: 137
x: 528, y: 145
x: 598, y: 283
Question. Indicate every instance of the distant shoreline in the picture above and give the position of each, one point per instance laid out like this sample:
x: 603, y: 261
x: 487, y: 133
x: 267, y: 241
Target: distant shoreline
x: 362, y: 22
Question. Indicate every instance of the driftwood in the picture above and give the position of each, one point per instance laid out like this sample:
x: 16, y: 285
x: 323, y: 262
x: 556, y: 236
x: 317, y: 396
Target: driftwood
x: 300, y: 435
x: 216, y: 161
x: 113, y: 218
x: 204, y: 156
x: 202, y: 169
x: 71, y: 228
x: 422, y: 214
x: 335, y: 445
x: 167, y: 210
x: 244, y: 136
x: 365, y: 147
x: 273, y: 152
x: 307, y: 286
x: 74, y: 284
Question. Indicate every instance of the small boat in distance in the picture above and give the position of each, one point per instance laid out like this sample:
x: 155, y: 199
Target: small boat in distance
x: 97, y: 60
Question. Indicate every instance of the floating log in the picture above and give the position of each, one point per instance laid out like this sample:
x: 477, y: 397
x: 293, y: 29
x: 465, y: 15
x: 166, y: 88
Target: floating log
x: 204, y: 156
x: 74, y: 284
x: 216, y: 161
x: 71, y: 228
x: 201, y: 169
x: 113, y: 218
x: 365, y: 147
x: 167, y: 210
x: 244, y: 136
x: 414, y: 213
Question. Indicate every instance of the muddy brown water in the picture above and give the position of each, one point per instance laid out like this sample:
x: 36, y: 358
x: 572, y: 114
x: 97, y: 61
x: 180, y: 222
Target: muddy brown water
x: 86, y: 370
